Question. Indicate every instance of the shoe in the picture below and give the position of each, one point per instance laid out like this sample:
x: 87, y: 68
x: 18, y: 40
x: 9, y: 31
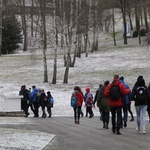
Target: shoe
x: 76, y: 121
x: 26, y: 115
x: 36, y: 116
x: 104, y: 126
x: 107, y: 127
x: 144, y: 132
x: 125, y: 124
x: 132, y: 119
x: 118, y: 133
x: 113, y: 130
x: 138, y: 130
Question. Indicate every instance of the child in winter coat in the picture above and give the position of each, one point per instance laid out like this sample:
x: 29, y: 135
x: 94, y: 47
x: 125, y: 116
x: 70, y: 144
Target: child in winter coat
x: 88, y: 99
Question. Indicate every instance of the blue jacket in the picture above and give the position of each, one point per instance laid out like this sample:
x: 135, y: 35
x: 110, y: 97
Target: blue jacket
x: 33, y: 94
x: 127, y: 97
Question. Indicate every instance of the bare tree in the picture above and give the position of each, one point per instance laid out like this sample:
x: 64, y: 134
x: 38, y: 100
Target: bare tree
x: 42, y: 36
x: 24, y: 25
x: 113, y: 20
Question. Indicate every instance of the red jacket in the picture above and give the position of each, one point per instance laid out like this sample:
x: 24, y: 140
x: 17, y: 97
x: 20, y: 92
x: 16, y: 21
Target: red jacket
x: 79, y: 98
x: 123, y: 91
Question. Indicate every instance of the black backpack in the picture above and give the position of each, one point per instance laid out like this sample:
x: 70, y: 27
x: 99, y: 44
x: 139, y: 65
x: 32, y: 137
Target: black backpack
x: 114, y: 92
x: 141, y: 94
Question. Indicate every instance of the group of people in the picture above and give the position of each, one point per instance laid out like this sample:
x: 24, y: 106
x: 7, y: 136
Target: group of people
x: 115, y: 97
x: 87, y: 98
x: 34, y: 99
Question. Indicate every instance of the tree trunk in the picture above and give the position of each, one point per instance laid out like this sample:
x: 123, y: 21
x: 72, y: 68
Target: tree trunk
x: 42, y: 34
x: 69, y: 34
x: 55, y: 44
x: 123, y: 10
x: 24, y: 25
x: 145, y: 18
x: 32, y: 19
x: 1, y: 27
x: 113, y: 20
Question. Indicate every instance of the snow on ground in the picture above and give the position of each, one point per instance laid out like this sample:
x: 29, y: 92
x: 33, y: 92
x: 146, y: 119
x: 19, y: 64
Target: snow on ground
x: 23, y: 139
x: 27, y: 68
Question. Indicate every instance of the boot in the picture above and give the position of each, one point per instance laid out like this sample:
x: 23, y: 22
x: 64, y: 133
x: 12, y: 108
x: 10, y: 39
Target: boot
x: 113, y: 130
x: 118, y: 131
x: 125, y: 124
x: 106, y: 126
x: 132, y: 119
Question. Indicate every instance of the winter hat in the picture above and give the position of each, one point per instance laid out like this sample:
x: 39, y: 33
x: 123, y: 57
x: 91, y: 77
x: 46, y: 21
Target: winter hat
x: 140, y: 81
x: 106, y: 82
x: 87, y: 89
x: 48, y: 92
x: 121, y: 78
x: 140, y: 77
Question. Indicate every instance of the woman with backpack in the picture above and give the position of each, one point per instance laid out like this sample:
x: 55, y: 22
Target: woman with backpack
x: 78, y: 96
x: 140, y: 95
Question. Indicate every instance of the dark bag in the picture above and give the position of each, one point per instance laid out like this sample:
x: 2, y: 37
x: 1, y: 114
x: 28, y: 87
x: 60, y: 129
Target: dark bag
x: 114, y: 92
x: 141, y: 95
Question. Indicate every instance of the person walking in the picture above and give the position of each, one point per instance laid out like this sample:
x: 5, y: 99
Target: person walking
x: 126, y: 105
x: 24, y: 106
x: 141, y: 97
x: 113, y: 92
x: 50, y: 100
x: 79, y: 100
x: 43, y: 102
x: 148, y: 107
x: 29, y: 103
x: 102, y: 102
x: 96, y: 100
x: 88, y: 99
x: 34, y: 98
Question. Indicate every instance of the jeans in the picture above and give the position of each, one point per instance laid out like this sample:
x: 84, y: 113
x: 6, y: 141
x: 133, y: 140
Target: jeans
x: 116, y: 110
x: 141, y: 115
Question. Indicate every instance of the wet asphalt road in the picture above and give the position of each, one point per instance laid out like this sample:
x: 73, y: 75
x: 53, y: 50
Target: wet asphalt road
x: 88, y: 135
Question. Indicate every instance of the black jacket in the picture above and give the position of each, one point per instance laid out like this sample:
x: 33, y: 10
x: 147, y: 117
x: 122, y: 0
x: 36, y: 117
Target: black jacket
x: 134, y: 97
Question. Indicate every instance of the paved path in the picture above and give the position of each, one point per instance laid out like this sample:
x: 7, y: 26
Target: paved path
x: 88, y: 135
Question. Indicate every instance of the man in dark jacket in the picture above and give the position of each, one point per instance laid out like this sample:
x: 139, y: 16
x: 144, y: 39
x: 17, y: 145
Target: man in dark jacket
x: 96, y: 100
x: 116, y: 104
x: 24, y: 105
x: 102, y: 102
